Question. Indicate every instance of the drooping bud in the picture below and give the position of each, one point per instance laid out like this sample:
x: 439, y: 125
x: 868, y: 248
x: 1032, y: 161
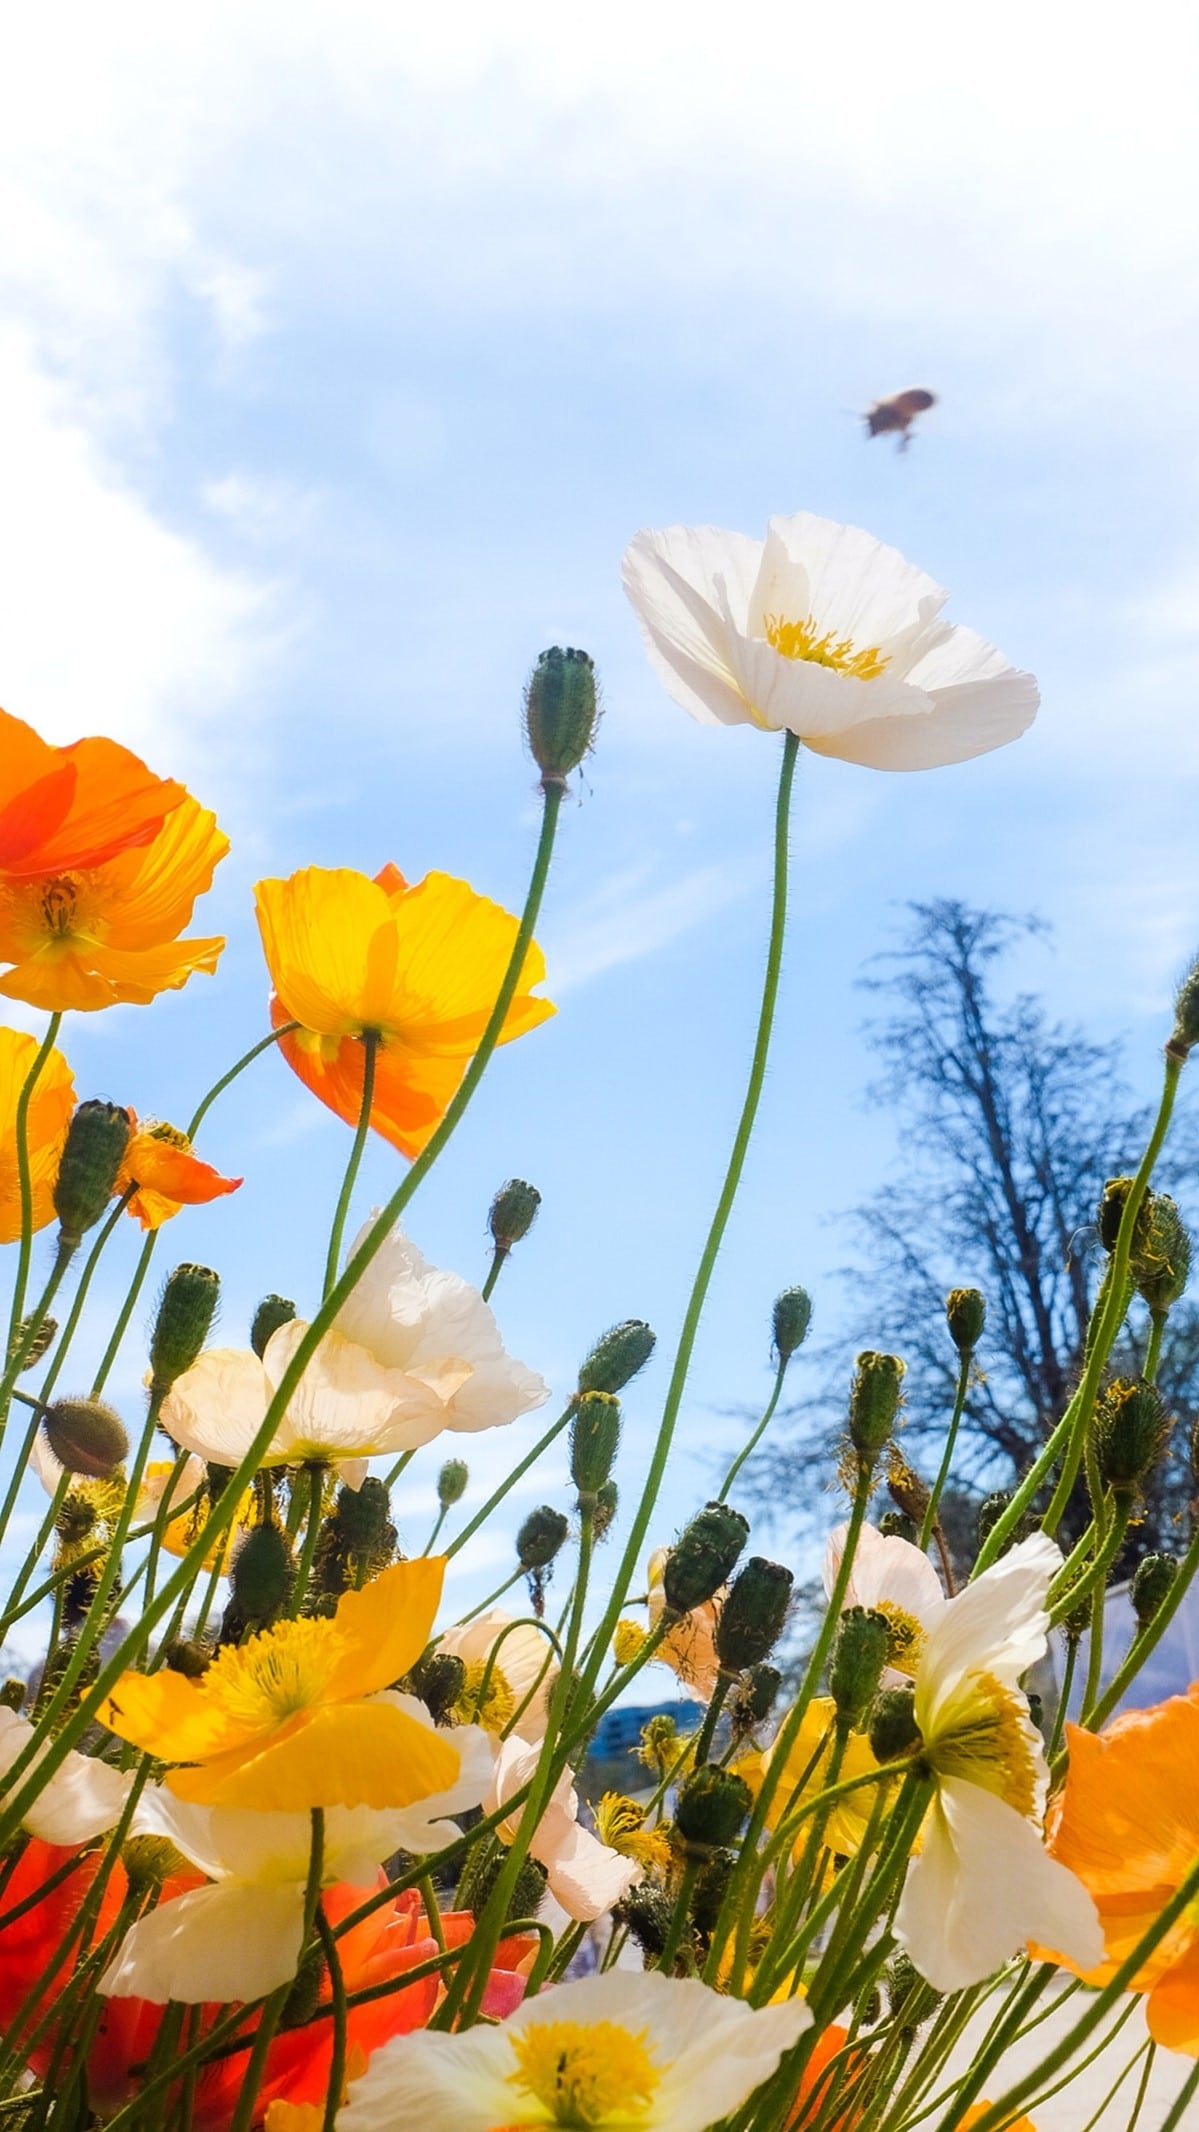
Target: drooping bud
x: 755, y: 1697
x: 1151, y: 1587
x: 859, y: 1655
x: 541, y: 1537
x: 607, y: 1499
x: 184, y: 1322
x: 897, y: 1525
x: 452, y: 1482
x: 561, y: 712
x: 594, y: 1438
x: 41, y: 1343
x: 97, y: 1137
x: 272, y: 1312
x: 893, y: 1729
x: 1162, y: 1267
x: 792, y: 1317
x: 874, y: 1402
x: 1129, y: 1430
x: 260, y: 1574
x: 1186, y: 1014
x: 86, y: 1436
x: 513, y: 1212
x: 752, y: 1617
x: 437, y: 1679
x: 704, y: 1557
x: 711, y: 1807
x: 965, y: 1315
x: 617, y: 1356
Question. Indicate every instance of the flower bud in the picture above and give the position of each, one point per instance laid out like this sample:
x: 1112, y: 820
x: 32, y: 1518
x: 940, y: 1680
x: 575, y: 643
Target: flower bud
x: 1129, y: 1431
x: 485, y: 1863
x: 42, y: 1341
x: 645, y: 1912
x: 260, y: 1573
x: 1186, y: 1014
x: 272, y: 1312
x: 97, y: 1137
x: 859, y: 1655
x: 1162, y: 1267
x: 364, y: 1517
x: 594, y: 1437
x: 86, y: 1436
x: 709, y: 1892
x: 897, y: 1525
x: 1151, y: 1587
x: 561, y: 712
x: 607, y: 1498
x: 965, y: 1315
x: 792, y: 1317
x: 617, y: 1356
x: 711, y: 1807
x: 874, y: 1402
x: 755, y: 1697
x: 704, y: 1557
x: 513, y: 1212
x: 13, y: 1693
x: 906, y: 1487
x: 184, y: 1655
x: 184, y: 1322
x: 752, y: 1617
x: 452, y: 1482
x: 541, y: 1537
x: 893, y: 1729
x: 1111, y: 1213
x: 438, y: 1679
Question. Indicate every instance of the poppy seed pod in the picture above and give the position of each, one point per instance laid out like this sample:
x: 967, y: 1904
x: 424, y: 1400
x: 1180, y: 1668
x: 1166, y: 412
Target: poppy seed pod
x: 752, y: 1617
x: 272, y: 1312
x: 965, y: 1315
x: 711, y: 1807
x: 1129, y: 1431
x: 452, y: 1482
x: 874, y: 1402
x: 755, y: 1697
x: 561, y: 712
x: 96, y: 1140
x: 645, y: 1912
x: 513, y: 1212
x: 893, y: 1729
x: 617, y: 1356
x: 260, y: 1573
x: 859, y: 1655
x: 86, y: 1436
x: 1151, y: 1587
x: 184, y: 1321
x: 364, y: 1516
x: 594, y: 1438
x: 541, y: 1537
x: 791, y: 1319
x: 703, y: 1558
x: 1186, y: 1013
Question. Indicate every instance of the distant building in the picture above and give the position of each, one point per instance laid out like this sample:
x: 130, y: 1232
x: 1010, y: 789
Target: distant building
x: 619, y: 1730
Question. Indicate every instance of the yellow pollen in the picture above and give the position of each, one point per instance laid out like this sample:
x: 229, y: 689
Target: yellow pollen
x: 620, y: 1823
x: 276, y: 1674
x: 906, y: 1635
x: 800, y: 640
x: 601, y: 2074
x: 982, y: 1737
x: 170, y: 1135
x: 497, y: 1704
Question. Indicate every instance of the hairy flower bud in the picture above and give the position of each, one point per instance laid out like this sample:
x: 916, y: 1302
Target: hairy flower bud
x: 897, y: 1525
x: 1111, y: 1213
x: 752, y: 1617
x: 272, y: 1312
x: 704, y: 1557
x: 645, y: 1912
x: 97, y: 1137
x: 792, y: 1317
x: 893, y: 1729
x: 1162, y: 1266
x: 513, y: 1212
x: 711, y: 1807
x: 437, y: 1679
x: 965, y: 1315
x: 541, y: 1537
x: 184, y: 1655
x: 485, y: 1863
x: 755, y: 1697
x: 710, y: 1889
x: 561, y: 712
x: 1151, y: 1587
x: 86, y: 1436
x: 874, y: 1402
x: 859, y: 1655
x: 452, y: 1482
x: 184, y: 1322
x: 260, y: 1573
x: 42, y: 1341
x: 1186, y: 1014
x: 607, y: 1498
x: 594, y: 1437
x: 1129, y: 1431
x: 13, y: 1693
x: 617, y: 1356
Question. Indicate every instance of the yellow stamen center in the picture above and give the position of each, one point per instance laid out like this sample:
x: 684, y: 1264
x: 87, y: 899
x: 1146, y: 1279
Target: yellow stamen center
x: 620, y: 1823
x: 170, y: 1135
x: 59, y: 899
x: 982, y: 1737
x: 491, y: 1707
x: 801, y: 640
x: 261, y: 1683
x: 585, y: 2077
x: 906, y: 1635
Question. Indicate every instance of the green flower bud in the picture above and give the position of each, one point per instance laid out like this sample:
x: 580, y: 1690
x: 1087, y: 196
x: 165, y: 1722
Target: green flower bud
x: 709, y: 1892
x: 1186, y: 1014
x: 1129, y: 1430
x: 97, y: 1137
x: 184, y: 1322
x: 1111, y: 1213
x: 617, y: 1356
x: 42, y: 1341
x: 712, y: 1805
x: 437, y: 1680
x: 874, y: 1402
x: 991, y: 1509
x: 645, y: 1912
x: 755, y: 1697
x: 149, y: 1862
x: 260, y: 1574
x: 704, y: 1557
x: 272, y: 1312
x: 606, y: 1499
x: 86, y: 1436
x: 893, y: 1729
x: 452, y: 1482
x: 364, y: 1515
x: 541, y: 1537
x: 859, y: 1655
x: 965, y: 1315
x: 594, y: 1438
x: 13, y: 1693
x: 561, y: 713
x: 513, y: 1212
x: 485, y: 1863
x: 752, y: 1617
x: 1151, y: 1587
x: 792, y: 1317
x: 907, y: 1992
x: 184, y: 1655
x: 1162, y: 1267
x: 897, y: 1525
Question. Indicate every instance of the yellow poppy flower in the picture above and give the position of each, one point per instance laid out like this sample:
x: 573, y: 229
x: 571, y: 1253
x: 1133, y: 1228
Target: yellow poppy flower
x: 296, y: 1717
x: 847, y: 1823
x: 50, y: 1108
x: 417, y: 967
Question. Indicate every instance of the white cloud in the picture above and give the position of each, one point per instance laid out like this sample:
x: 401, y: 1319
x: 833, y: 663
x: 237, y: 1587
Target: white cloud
x: 628, y: 917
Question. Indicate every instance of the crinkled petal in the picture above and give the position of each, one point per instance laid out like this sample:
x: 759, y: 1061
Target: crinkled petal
x: 217, y: 1407
x: 231, y: 1942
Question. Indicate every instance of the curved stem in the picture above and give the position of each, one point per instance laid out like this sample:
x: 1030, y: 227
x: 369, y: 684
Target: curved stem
x: 751, y: 1446
x: 370, y: 1052
x: 67, y: 1334
x: 518, y: 1472
x: 337, y: 1993
x: 930, y: 1510
x: 247, y: 1059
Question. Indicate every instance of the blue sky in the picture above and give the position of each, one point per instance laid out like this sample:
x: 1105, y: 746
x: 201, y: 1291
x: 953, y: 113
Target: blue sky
x: 340, y: 355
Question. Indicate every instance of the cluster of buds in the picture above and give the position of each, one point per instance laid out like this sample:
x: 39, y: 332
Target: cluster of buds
x: 355, y: 1542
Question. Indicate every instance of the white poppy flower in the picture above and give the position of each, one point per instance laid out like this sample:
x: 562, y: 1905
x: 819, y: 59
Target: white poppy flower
x: 664, y: 2054
x: 585, y: 1876
x: 240, y: 1937
x: 412, y: 1352
x: 82, y: 1800
x: 525, y: 1666
x: 983, y: 1882
x: 894, y: 1579
x: 824, y: 630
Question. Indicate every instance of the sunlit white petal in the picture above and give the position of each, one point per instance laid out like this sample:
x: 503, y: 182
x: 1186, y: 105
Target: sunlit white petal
x: 232, y: 1941
x: 82, y: 1800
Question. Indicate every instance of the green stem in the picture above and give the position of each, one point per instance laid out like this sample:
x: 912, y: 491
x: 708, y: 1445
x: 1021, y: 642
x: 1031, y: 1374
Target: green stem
x: 370, y: 1050
x: 491, y: 1598
x: 311, y: 1536
x: 518, y: 1472
x: 19, y: 1349
x: 1153, y: 1346
x: 678, y: 1916
x: 247, y: 1059
x: 1059, y: 1722
x: 1176, y: 2116
x: 1150, y: 1636
x: 498, y: 1256
x: 125, y: 1312
x: 85, y: 1281
x: 930, y: 1511
x: 272, y: 2012
x: 337, y: 1992
x: 751, y: 1446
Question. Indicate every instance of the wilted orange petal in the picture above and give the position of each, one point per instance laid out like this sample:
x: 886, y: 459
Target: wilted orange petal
x: 167, y: 1177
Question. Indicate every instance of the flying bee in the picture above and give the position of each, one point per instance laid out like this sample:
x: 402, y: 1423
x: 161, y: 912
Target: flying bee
x: 898, y: 413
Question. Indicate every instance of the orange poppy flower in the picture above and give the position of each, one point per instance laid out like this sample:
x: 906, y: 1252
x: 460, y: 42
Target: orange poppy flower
x: 50, y: 1108
x: 418, y: 967
x: 1127, y: 1822
x: 166, y: 1174
x: 64, y: 809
